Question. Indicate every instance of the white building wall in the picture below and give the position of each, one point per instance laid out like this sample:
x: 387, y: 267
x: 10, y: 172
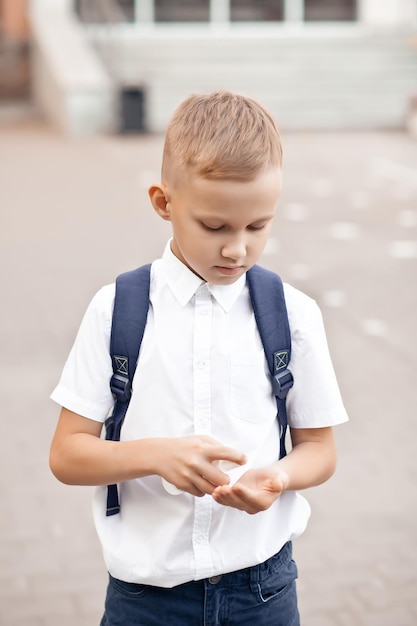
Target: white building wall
x: 313, y: 78
x: 388, y: 13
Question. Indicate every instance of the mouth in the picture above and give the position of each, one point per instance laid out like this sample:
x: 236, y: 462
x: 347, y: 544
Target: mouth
x: 229, y: 271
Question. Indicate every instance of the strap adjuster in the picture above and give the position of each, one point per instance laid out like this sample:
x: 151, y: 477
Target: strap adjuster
x: 121, y: 387
x: 282, y: 383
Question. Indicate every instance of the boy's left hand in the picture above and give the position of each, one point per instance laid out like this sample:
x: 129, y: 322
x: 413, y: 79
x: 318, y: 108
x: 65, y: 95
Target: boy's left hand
x: 255, y: 491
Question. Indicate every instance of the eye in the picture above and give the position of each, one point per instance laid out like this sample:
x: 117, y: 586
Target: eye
x: 211, y: 228
x: 255, y: 228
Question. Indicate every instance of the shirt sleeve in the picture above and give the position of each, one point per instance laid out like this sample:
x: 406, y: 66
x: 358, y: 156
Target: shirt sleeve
x: 315, y: 400
x: 84, y: 386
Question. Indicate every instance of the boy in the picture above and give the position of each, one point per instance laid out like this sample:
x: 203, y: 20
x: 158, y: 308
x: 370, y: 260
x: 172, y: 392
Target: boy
x: 207, y: 512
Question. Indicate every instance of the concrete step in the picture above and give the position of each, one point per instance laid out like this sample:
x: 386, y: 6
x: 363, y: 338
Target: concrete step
x: 356, y: 80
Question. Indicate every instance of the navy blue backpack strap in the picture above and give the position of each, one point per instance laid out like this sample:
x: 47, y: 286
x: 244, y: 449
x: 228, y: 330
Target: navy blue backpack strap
x: 130, y: 312
x: 268, y: 301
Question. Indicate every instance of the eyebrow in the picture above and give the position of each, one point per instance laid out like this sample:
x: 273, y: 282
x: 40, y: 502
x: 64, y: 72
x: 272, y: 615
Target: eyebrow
x: 210, y: 216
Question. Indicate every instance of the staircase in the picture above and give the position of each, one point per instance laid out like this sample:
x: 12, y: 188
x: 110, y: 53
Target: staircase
x: 332, y: 78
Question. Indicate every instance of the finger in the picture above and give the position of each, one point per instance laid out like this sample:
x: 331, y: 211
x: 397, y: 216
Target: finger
x: 227, y: 495
x: 241, y: 498
x: 203, y: 485
x: 225, y: 466
x: 230, y: 499
x: 215, y: 472
x: 222, y: 491
x: 193, y: 490
x: 222, y: 453
x: 215, y: 476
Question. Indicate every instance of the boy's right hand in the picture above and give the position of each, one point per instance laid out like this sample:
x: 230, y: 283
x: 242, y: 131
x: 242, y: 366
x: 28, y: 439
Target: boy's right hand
x: 189, y: 463
x: 80, y: 456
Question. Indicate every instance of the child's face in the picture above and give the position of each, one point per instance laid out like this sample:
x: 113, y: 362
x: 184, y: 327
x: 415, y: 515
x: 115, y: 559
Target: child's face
x: 220, y: 227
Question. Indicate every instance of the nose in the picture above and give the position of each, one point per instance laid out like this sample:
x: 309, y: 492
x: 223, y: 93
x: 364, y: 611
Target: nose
x: 234, y: 248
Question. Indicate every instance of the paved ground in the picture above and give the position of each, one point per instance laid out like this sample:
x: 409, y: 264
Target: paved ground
x: 75, y: 213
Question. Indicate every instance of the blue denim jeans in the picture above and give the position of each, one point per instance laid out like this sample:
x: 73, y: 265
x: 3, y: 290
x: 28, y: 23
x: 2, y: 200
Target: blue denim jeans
x: 264, y: 595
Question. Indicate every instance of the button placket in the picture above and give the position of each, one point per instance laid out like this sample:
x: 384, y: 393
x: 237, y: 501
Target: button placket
x: 201, y: 360
x: 202, y: 421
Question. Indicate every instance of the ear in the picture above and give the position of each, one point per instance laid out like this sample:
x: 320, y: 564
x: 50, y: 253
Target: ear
x: 159, y: 199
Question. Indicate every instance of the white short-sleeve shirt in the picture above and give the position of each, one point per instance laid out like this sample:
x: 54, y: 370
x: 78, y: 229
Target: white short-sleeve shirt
x: 201, y: 370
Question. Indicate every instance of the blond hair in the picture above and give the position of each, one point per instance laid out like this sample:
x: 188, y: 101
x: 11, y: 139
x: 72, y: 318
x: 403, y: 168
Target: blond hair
x: 220, y: 135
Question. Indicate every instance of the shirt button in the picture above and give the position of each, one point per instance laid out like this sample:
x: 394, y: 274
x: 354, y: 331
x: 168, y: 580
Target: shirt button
x: 213, y: 580
x: 201, y: 364
x: 203, y: 311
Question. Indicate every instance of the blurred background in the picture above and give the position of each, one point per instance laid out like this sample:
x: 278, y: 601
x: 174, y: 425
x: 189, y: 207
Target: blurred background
x: 86, y: 90
x: 123, y: 65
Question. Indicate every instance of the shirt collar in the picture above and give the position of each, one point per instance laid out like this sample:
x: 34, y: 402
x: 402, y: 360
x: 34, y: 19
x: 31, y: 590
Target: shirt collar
x: 183, y: 283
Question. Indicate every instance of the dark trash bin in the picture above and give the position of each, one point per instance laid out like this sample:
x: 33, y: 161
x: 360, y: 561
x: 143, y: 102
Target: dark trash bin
x: 132, y: 110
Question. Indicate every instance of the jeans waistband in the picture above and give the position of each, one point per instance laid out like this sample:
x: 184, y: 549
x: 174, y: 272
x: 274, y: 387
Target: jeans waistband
x: 255, y: 573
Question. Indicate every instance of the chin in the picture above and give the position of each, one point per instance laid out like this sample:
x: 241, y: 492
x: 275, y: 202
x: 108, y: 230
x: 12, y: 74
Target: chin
x: 225, y: 280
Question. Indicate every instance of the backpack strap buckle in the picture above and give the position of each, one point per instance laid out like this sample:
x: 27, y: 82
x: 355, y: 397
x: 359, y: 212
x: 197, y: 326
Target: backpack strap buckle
x: 282, y: 383
x: 121, y: 387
